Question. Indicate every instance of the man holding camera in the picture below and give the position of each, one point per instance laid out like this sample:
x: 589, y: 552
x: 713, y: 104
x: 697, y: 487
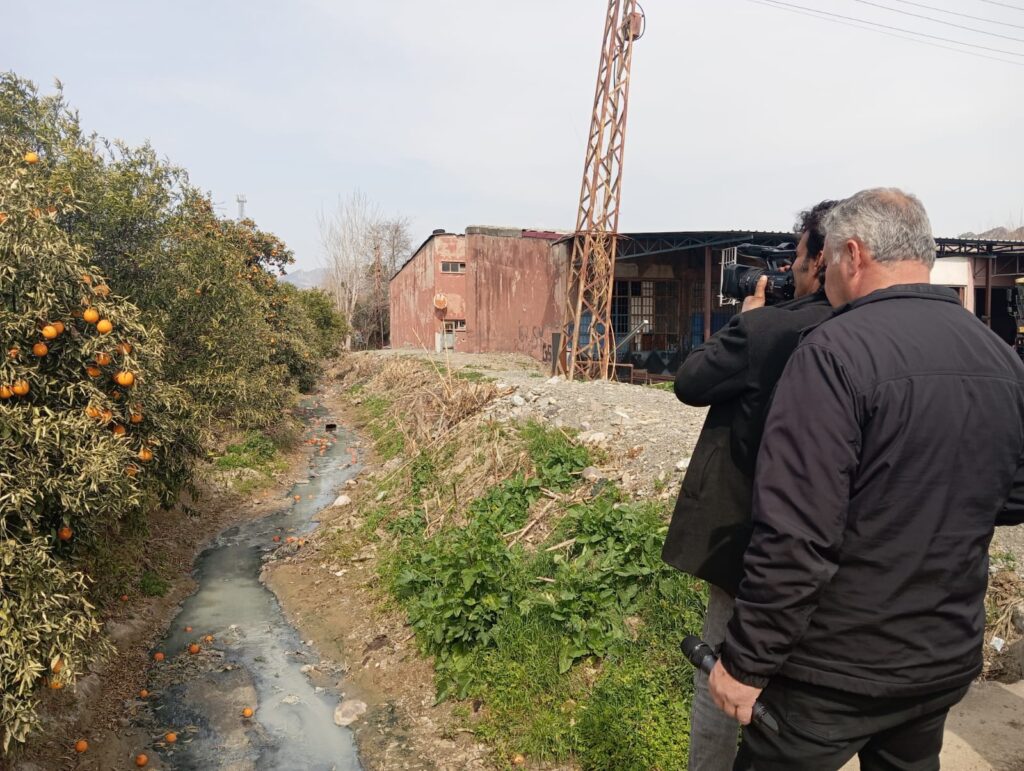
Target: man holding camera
x: 735, y: 373
x: 861, y: 610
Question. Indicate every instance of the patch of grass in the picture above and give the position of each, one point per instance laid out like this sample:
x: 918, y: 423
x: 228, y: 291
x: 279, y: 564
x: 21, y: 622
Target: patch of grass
x: 1003, y: 560
x: 664, y: 386
x: 253, y: 452
x: 472, y: 375
x: 153, y: 585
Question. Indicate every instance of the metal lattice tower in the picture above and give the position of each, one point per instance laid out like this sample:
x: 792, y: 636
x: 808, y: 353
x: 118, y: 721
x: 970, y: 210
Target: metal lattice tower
x: 592, y: 267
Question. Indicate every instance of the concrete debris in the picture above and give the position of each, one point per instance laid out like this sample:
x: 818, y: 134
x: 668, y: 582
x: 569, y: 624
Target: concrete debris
x: 348, y: 712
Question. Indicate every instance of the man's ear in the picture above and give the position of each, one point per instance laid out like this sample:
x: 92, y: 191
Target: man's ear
x: 855, y: 251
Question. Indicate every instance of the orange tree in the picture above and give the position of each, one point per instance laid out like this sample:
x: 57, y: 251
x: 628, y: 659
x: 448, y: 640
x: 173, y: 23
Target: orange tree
x: 90, y: 432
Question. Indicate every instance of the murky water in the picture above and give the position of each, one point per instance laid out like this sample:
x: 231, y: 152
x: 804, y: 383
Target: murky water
x: 293, y: 726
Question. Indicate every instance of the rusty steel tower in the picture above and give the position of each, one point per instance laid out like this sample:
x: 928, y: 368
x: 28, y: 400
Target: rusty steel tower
x: 587, y: 348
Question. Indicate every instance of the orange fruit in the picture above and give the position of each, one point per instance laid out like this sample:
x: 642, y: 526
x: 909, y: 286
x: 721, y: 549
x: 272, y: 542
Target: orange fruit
x: 124, y: 598
x: 40, y: 350
x: 208, y: 639
x: 106, y: 416
x: 20, y: 387
x: 298, y: 497
x: 57, y: 325
x: 6, y: 392
x: 102, y: 290
x: 92, y: 371
x: 124, y: 378
x: 81, y: 745
x: 104, y: 326
x: 56, y: 685
x: 116, y: 396
x: 124, y: 348
x: 141, y: 760
x: 145, y: 455
x: 57, y: 666
x: 3, y: 217
x: 91, y: 315
x: 103, y: 359
x: 65, y: 533
x: 131, y: 470
x: 119, y: 430
x: 143, y: 694
x: 92, y: 412
x: 247, y: 712
x: 158, y: 656
x: 136, y: 418
x: 193, y: 648
x: 31, y: 158
x: 86, y: 278
x: 13, y: 353
x: 49, y: 331
x: 170, y: 737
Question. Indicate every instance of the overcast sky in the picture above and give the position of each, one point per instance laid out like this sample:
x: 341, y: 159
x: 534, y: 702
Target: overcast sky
x: 465, y: 112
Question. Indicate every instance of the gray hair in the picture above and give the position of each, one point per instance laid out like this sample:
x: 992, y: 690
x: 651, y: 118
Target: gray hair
x: 891, y: 224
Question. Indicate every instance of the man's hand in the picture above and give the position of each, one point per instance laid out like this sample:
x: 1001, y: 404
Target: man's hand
x: 732, y: 697
x: 755, y: 300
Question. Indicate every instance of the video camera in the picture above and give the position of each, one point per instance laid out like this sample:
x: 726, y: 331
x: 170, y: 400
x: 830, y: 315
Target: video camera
x: 740, y: 281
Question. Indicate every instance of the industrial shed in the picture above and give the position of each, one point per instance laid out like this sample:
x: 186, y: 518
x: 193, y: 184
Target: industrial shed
x: 500, y: 289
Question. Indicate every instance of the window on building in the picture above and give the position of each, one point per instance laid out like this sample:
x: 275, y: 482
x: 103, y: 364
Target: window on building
x: 657, y: 303
x: 453, y: 267
x: 455, y: 325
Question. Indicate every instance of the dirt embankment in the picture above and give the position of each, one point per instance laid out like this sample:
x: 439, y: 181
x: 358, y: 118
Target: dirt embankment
x: 335, y: 597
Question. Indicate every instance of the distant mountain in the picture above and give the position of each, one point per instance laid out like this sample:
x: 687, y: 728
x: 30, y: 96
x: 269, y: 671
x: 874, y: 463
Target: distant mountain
x: 999, y: 234
x: 306, y: 279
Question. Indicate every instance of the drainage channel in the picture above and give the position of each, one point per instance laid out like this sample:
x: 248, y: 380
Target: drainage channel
x: 250, y: 658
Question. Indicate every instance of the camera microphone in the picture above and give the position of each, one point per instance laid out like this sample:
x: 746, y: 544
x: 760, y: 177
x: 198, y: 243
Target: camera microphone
x: 701, y: 656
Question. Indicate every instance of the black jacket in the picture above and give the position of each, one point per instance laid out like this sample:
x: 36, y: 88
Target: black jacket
x: 894, y: 445
x: 735, y: 372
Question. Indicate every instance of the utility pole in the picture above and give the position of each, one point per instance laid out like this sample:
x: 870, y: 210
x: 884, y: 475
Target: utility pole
x: 242, y: 201
x: 592, y: 267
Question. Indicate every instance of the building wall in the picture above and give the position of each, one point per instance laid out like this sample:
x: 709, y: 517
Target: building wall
x: 510, y: 296
x: 519, y: 291
x: 413, y: 322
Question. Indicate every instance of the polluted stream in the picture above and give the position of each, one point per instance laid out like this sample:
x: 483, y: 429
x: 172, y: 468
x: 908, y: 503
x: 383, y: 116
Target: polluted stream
x: 249, y: 656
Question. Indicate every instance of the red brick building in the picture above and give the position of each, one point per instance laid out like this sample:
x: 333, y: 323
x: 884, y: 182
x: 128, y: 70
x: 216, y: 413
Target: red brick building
x: 491, y: 289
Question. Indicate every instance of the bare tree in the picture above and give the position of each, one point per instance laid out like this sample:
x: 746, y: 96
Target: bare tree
x: 348, y: 235
x: 391, y: 247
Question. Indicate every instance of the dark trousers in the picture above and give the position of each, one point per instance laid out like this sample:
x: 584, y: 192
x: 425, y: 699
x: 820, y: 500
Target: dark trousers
x: 820, y: 729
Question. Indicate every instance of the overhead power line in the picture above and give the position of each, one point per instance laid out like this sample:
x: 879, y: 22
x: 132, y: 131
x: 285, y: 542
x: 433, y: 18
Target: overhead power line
x: 940, y: 21
x: 780, y: 4
x: 961, y: 15
x: 1004, y: 5
x: 814, y: 14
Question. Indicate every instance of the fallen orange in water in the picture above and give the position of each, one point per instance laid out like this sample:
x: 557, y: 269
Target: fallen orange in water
x: 247, y: 712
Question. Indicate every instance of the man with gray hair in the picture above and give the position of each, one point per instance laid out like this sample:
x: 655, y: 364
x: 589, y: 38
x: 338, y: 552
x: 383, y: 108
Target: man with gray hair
x: 860, y: 618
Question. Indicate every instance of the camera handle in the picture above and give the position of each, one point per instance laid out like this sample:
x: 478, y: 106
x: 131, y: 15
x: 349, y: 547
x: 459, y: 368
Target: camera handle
x: 701, y: 656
